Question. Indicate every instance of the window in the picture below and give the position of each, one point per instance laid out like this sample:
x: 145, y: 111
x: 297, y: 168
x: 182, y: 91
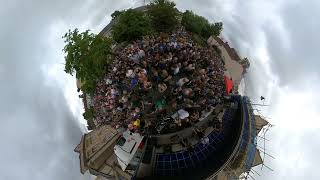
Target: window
x: 89, y: 141
x: 93, y: 150
x: 121, y: 141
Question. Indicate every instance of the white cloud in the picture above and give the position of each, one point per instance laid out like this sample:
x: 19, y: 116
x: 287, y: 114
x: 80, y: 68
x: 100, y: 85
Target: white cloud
x: 39, y: 106
x: 279, y: 37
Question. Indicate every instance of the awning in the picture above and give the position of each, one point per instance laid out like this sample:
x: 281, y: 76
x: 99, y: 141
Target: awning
x: 229, y: 84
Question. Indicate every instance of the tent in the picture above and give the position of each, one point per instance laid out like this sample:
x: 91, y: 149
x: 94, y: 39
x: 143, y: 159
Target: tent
x: 229, y: 84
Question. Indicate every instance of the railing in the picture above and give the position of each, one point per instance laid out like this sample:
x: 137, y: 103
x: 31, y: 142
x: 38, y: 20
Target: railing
x: 201, y: 122
x: 236, y: 149
x: 252, y: 142
x: 140, y: 160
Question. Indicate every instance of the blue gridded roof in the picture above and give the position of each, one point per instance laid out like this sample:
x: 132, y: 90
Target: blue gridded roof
x: 175, y: 163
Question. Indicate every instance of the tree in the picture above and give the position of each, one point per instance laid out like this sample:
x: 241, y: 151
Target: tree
x: 87, y: 56
x: 217, y: 28
x: 164, y: 15
x: 192, y: 22
x: 200, y: 25
x: 131, y: 25
x: 115, y: 14
x: 88, y: 114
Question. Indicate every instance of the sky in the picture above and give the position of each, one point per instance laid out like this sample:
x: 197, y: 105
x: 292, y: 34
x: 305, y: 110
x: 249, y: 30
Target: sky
x: 41, y: 113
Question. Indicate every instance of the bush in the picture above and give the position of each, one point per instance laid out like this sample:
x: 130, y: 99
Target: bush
x: 87, y: 55
x: 164, y: 15
x: 200, y: 25
x: 88, y: 114
x: 131, y: 25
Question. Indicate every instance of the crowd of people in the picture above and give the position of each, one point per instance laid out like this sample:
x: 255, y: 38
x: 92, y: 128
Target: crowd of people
x: 160, y: 83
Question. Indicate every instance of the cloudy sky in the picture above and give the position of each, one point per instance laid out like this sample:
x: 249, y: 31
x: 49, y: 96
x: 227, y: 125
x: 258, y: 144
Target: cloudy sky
x: 41, y: 113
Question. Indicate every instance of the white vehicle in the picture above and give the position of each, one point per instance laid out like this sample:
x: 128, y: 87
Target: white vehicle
x: 126, y: 149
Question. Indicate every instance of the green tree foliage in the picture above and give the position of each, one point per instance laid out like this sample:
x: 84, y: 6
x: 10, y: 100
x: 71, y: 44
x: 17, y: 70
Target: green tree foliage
x: 164, y: 15
x: 87, y: 56
x: 131, y: 25
x: 88, y: 114
x: 216, y: 28
x: 115, y: 14
x: 200, y: 25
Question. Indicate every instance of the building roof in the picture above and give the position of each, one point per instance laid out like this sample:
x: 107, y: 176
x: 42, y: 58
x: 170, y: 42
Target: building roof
x: 235, y: 55
x: 218, y: 40
x: 95, y: 147
x: 78, y: 148
x: 260, y: 123
x: 231, y: 51
x: 257, y: 159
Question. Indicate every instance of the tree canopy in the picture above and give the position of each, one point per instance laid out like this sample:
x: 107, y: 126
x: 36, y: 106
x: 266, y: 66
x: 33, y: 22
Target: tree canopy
x: 88, y: 114
x: 115, y: 14
x: 131, y: 24
x: 87, y: 56
x: 163, y: 14
x: 200, y: 25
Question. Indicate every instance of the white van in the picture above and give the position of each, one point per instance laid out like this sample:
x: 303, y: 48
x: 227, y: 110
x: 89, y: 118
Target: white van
x: 126, y: 149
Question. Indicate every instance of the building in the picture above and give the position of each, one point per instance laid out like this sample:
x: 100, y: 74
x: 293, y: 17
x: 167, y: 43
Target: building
x: 232, y: 62
x: 96, y: 153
